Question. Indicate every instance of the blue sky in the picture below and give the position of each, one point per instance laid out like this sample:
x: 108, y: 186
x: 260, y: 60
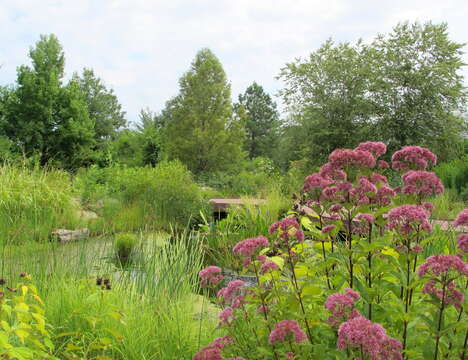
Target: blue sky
x: 140, y: 48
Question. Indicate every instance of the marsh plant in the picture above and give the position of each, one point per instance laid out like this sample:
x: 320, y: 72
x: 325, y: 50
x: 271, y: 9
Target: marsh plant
x: 351, y: 274
x: 125, y: 245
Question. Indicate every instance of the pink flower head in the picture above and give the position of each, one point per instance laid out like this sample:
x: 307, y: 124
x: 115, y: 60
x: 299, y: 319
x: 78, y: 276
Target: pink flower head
x: 329, y: 171
x: 377, y: 178
x: 369, y: 218
x: 383, y: 164
x: 268, y: 266
x: 332, y: 193
x: 413, y: 157
x: 342, y: 307
x: 362, y: 333
x: 328, y: 228
x: 287, y: 330
x: 375, y: 148
x: 462, y: 218
x: 343, y: 158
x: 248, y: 247
x: 407, y: 218
x: 417, y: 248
x: 232, y: 294
x: 462, y: 243
x: 210, y: 276
x: 384, y: 193
x: 287, y: 228
x: 418, y: 182
x: 441, y: 264
x: 290, y: 355
x: 226, y: 316
x: 451, y: 296
x: 336, y: 207
x: 429, y: 207
x: 213, y: 351
x: 316, y: 181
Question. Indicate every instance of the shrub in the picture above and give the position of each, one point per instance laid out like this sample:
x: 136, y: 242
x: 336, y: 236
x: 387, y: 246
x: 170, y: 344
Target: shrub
x: 163, y: 196
x: 356, y: 277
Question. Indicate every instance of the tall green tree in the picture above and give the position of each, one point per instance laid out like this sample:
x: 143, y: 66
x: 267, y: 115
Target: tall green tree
x: 418, y: 87
x: 44, y: 118
x: 150, y: 127
x: 327, y: 95
x: 200, y: 128
x: 103, y: 106
x: 261, y: 121
x: 402, y: 88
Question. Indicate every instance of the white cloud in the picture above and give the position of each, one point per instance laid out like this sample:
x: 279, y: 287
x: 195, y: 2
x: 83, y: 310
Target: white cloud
x: 141, y: 47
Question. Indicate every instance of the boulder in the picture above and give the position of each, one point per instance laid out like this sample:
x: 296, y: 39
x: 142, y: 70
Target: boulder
x: 65, y: 235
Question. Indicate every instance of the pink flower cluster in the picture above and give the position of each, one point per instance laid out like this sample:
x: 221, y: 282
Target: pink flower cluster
x: 413, y: 157
x: 316, y: 181
x: 226, y: 316
x: 248, y: 247
x: 328, y: 228
x: 288, y: 228
x: 268, y: 266
x: 462, y: 243
x: 442, y: 264
x: 344, y: 158
x: 407, y: 218
x: 451, y: 296
x: 214, y: 350
x: 462, y: 218
x: 361, y: 333
x: 328, y: 171
x: 287, y: 330
x: 232, y: 294
x: 342, y: 307
x: 418, y: 182
x: 210, y: 276
x: 375, y: 148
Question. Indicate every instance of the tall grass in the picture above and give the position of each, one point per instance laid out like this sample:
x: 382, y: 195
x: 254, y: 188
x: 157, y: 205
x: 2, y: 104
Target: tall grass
x: 33, y: 202
x: 151, y: 311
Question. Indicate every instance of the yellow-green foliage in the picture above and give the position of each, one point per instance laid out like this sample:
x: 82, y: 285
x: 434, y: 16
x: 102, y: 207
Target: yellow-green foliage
x: 33, y: 203
x: 23, y: 331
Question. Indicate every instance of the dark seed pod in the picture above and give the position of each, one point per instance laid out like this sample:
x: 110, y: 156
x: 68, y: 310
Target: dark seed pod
x: 98, y: 281
x: 106, y: 282
x: 2, y: 281
x: 23, y: 274
x: 108, y: 287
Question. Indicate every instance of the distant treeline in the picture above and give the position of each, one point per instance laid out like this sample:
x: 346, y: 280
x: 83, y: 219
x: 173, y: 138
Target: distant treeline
x: 402, y: 88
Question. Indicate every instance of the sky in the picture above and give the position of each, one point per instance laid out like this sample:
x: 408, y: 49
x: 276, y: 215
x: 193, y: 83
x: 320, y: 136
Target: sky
x: 141, y: 48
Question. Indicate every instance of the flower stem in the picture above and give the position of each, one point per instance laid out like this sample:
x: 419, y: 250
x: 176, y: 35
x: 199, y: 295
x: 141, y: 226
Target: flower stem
x: 439, y: 326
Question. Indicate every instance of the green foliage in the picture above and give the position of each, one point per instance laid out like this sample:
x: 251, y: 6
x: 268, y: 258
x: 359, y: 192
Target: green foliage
x: 261, y: 120
x: 454, y: 175
x: 103, y: 106
x: 24, y: 333
x: 33, y: 203
x: 199, y: 126
x: 403, y: 88
x: 163, y: 196
x: 125, y: 244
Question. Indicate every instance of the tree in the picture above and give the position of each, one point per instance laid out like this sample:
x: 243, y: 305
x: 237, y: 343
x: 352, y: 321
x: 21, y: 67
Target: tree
x: 418, y: 87
x: 149, y: 129
x: 103, y: 106
x: 403, y: 88
x: 200, y: 129
x: 327, y: 96
x: 261, y: 121
x: 44, y: 118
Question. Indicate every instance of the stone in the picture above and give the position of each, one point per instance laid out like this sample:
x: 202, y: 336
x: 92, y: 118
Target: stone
x: 65, y: 235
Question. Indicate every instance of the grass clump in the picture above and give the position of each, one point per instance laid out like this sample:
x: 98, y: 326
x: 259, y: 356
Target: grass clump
x: 124, y: 247
x: 33, y: 202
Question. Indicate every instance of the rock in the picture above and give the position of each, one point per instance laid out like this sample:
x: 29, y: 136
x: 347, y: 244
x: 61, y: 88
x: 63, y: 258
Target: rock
x: 70, y: 235
x: 88, y: 215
